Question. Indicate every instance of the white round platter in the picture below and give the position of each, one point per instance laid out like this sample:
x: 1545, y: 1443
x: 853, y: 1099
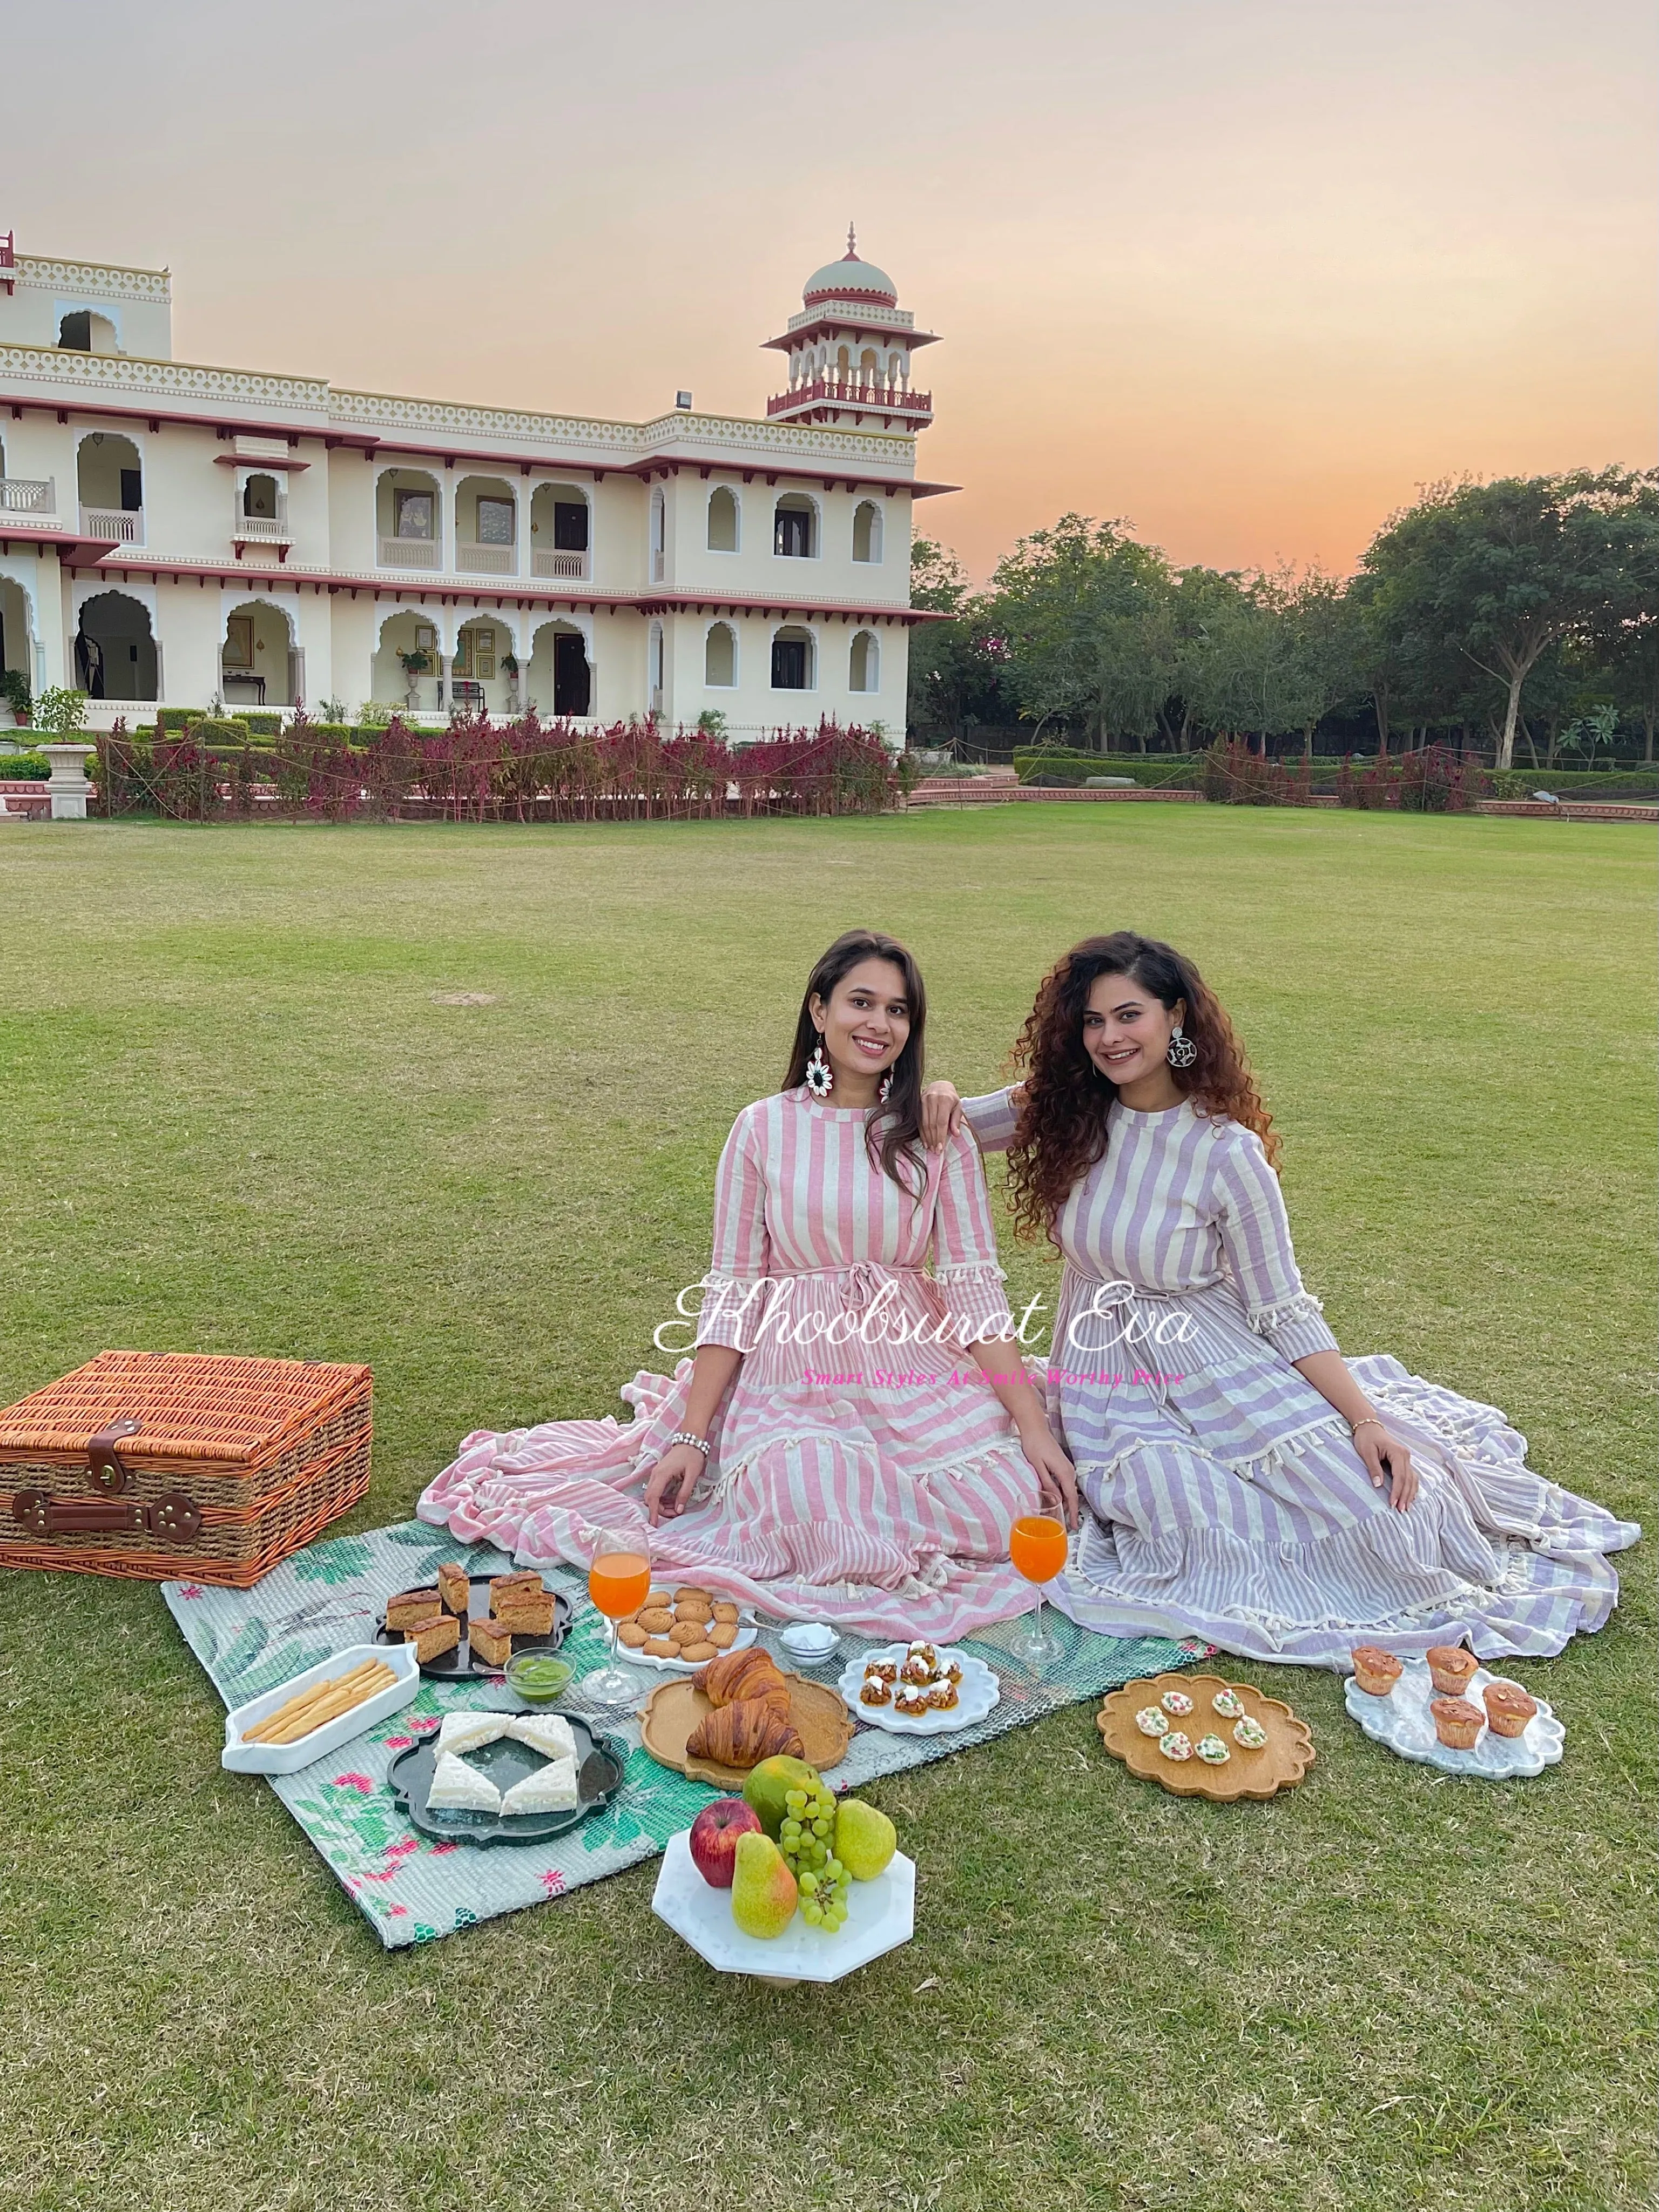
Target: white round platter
x: 1402, y: 1722
x: 747, y: 1632
x: 880, y: 1916
x: 978, y: 1690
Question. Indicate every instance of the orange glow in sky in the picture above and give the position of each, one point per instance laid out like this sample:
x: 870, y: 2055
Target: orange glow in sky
x: 1245, y: 272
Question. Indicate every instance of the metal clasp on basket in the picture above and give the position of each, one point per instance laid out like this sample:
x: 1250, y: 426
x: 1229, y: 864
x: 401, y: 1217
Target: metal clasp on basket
x: 104, y: 1461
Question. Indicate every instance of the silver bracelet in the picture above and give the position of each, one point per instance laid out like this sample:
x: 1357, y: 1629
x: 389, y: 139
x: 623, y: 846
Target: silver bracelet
x: 685, y: 1437
x: 1371, y: 1421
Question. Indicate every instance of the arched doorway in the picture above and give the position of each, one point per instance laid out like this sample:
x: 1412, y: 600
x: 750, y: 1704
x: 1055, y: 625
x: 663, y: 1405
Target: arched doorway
x: 16, y: 658
x: 110, y: 478
x: 412, y: 691
x: 258, y: 666
x: 561, y: 677
x: 115, y: 648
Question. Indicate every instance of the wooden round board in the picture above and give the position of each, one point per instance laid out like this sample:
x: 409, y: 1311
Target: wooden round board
x: 669, y: 1714
x: 1279, y: 1764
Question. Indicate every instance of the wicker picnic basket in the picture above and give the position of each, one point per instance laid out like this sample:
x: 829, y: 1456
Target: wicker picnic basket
x: 157, y: 1464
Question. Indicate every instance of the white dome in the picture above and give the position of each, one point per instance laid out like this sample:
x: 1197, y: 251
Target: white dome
x: 850, y: 278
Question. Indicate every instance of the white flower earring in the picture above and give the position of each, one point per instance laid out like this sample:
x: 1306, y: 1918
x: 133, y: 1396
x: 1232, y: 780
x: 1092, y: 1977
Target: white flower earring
x: 1182, y: 1051
x: 820, y: 1076
x: 886, y: 1089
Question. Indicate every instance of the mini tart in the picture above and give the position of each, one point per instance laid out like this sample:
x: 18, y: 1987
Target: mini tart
x: 1228, y: 1704
x: 876, y: 1692
x: 1375, y: 1670
x: 910, y: 1698
x: 1211, y: 1750
x: 942, y: 1698
x: 887, y: 1668
x: 1151, y: 1721
x: 1450, y: 1668
x: 1250, y: 1735
x: 1509, y: 1707
x: 1456, y: 1721
x: 926, y: 1653
x: 917, y: 1670
x: 1176, y: 1702
x: 947, y: 1670
x: 1175, y: 1745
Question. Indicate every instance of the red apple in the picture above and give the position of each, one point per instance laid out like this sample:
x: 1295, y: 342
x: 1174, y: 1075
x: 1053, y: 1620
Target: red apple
x: 715, y: 1835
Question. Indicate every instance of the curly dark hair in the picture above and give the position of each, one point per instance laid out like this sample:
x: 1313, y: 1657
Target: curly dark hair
x: 893, y: 1131
x: 1061, y: 1130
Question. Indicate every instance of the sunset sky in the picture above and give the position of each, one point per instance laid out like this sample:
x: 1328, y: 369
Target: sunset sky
x: 1245, y: 272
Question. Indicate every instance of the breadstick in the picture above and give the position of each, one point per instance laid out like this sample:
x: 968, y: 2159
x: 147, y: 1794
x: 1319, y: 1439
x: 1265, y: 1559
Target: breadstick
x: 265, y: 1731
x: 330, y: 1710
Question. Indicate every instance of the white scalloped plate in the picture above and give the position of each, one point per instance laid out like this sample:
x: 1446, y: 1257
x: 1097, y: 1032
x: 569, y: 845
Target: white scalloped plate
x: 977, y: 1692
x: 1402, y: 1722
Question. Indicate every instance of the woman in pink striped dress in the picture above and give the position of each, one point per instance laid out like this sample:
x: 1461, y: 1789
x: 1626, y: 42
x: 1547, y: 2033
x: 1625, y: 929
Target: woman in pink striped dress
x: 857, y: 1431
x: 1245, y: 1482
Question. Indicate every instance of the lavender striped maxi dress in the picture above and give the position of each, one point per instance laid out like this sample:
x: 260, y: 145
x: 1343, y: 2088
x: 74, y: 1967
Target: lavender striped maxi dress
x: 1226, y: 1497
x: 863, y: 1472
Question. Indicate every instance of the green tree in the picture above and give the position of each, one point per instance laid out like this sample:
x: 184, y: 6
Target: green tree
x: 1497, y: 573
x: 955, y: 666
x: 1082, y: 611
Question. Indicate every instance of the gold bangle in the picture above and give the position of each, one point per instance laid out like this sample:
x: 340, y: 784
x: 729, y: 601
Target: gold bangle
x: 1371, y: 1421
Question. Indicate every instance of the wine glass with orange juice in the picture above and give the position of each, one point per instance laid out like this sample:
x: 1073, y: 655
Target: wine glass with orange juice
x: 1037, y: 1545
x: 618, y: 1581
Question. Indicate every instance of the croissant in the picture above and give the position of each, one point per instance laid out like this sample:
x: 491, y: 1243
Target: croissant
x: 743, y: 1734
x: 739, y: 1674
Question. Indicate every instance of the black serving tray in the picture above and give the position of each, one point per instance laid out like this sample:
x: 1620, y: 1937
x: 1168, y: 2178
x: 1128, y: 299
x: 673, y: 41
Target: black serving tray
x: 459, y: 1665
x: 600, y: 1764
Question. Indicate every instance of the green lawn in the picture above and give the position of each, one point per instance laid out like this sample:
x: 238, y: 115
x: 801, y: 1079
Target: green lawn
x: 237, y: 1119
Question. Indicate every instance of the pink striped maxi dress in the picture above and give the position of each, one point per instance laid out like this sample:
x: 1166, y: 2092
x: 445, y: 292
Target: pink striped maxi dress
x: 863, y: 1471
x: 1226, y: 1499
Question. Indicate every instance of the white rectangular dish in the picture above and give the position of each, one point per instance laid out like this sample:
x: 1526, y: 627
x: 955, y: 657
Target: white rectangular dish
x: 288, y: 1758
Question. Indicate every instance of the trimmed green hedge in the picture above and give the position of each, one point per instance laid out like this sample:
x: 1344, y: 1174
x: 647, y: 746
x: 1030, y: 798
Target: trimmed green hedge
x: 1157, y: 771
x: 24, y: 768
x: 1578, y: 783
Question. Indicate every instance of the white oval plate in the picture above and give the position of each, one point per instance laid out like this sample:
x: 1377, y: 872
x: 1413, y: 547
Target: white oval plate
x: 747, y: 1632
x: 977, y: 1692
x: 1403, y: 1722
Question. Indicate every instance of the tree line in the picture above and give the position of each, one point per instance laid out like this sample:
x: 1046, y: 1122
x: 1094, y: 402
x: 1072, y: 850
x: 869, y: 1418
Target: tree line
x: 1518, y: 614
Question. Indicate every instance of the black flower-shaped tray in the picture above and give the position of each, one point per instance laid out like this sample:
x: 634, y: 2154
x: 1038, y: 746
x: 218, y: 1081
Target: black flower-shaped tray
x: 600, y: 1764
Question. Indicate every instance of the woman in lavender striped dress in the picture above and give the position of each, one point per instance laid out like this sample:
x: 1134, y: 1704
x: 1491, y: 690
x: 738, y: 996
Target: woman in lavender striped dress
x: 855, y: 1435
x: 1245, y: 1483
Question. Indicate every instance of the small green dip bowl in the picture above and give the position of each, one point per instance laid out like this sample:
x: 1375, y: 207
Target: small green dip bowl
x: 538, y: 1677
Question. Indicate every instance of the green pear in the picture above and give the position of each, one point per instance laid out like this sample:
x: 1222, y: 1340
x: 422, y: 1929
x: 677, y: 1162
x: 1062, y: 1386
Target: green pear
x: 763, y: 1892
x: 866, y: 1839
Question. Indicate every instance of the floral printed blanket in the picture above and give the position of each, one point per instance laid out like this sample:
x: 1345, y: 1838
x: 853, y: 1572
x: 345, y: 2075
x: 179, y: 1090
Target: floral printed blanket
x: 412, y: 1890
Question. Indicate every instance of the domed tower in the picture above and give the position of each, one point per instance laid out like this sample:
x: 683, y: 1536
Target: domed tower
x: 849, y: 352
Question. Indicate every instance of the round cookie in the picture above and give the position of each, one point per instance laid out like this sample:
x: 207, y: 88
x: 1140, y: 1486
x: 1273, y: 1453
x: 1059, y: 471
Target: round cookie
x: 658, y: 1647
x: 724, y: 1610
x: 686, y: 1632
x: 723, y: 1635
x: 630, y: 1633
x: 700, y: 1652
x: 690, y: 1609
x: 655, y: 1619
x: 658, y: 1601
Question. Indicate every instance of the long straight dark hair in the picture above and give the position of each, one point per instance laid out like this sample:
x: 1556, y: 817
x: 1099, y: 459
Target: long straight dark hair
x: 893, y: 1131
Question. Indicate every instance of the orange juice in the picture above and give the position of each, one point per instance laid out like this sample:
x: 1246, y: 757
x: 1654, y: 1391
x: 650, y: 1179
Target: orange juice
x: 618, y: 1582
x: 1036, y: 1546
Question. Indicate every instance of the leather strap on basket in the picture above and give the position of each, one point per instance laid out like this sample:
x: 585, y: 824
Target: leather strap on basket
x: 174, y: 1515
x: 104, y: 1461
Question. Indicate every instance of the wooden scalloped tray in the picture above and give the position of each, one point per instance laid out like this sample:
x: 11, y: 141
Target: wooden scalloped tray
x: 1280, y: 1764
x: 670, y: 1713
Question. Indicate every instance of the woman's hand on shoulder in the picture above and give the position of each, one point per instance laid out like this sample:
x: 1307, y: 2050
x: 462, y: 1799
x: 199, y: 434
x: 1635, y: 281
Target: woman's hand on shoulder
x: 670, y: 1484
x: 1056, y: 1478
x: 941, y: 1114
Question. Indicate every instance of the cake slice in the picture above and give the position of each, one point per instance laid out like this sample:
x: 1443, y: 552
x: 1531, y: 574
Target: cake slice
x: 461, y: 1788
x: 438, y: 1633
x: 490, y: 1640
x: 454, y: 1587
x: 526, y: 1612
x: 547, y: 1733
x: 504, y: 1588
x: 551, y: 1788
x: 410, y: 1606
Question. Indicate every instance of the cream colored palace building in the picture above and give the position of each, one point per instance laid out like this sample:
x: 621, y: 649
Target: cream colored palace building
x: 191, y: 535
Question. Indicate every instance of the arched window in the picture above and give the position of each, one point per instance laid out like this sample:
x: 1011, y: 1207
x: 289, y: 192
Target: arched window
x: 793, y: 660
x: 110, y: 479
x: 867, y: 531
x: 864, y: 670
x: 259, y: 497
x: 83, y: 331
x: 795, y: 527
x: 723, y: 520
x: 719, y: 657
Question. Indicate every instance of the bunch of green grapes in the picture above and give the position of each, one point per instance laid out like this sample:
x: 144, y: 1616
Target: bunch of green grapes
x: 807, y: 1840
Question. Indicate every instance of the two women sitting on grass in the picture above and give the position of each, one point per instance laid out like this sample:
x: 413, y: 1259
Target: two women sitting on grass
x: 859, y: 1429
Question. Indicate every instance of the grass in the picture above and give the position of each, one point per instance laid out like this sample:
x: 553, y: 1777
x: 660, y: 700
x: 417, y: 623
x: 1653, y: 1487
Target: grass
x: 237, y: 1118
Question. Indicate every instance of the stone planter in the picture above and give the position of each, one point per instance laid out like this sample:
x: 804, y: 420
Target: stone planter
x: 68, y: 786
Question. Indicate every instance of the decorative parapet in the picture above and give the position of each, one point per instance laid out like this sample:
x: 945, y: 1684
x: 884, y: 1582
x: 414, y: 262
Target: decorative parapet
x: 119, y: 376
x: 101, y: 278
x: 861, y: 311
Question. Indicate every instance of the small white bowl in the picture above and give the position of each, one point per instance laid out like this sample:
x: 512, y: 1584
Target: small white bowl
x: 288, y: 1758
x: 813, y: 1641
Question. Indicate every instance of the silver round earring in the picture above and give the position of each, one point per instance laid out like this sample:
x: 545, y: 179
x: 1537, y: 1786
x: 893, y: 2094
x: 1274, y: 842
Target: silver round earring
x: 1182, y: 1051
x: 820, y: 1076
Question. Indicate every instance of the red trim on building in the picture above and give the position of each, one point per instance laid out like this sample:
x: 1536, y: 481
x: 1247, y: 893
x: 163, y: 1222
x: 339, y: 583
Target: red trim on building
x: 820, y: 323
